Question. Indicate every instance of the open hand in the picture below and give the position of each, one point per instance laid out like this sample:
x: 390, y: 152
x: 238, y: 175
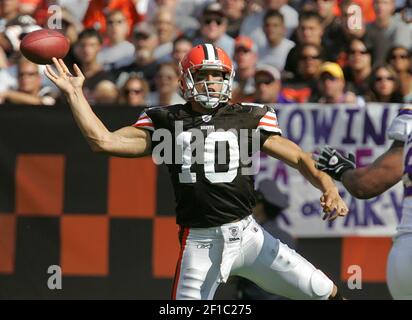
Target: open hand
x: 64, y: 80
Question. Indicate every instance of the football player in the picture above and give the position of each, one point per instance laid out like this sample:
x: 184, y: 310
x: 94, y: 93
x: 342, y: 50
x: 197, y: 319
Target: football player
x: 367, y: 182
x: 215, y: 198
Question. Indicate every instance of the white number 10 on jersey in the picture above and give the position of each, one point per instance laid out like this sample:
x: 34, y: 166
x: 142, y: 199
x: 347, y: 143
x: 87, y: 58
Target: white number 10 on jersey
x: 209, y: 156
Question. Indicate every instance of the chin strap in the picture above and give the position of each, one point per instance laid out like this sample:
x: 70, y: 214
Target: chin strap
x: 206, y: 102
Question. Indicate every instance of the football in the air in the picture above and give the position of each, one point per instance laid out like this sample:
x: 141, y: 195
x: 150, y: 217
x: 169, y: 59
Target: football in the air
x: 41, y: 46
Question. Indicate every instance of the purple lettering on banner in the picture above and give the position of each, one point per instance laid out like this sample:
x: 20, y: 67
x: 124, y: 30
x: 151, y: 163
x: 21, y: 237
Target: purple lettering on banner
x: 283, y: 216
x: 281, y: 172
x: 311, y: 208
x: 300, y: 114
x: 370, y: 217
x: 397, y: 205
x: 323, y: 127
x: 361, y: 154
x: 369, y: 130
x: 348, y: 139
x: 353, y: 213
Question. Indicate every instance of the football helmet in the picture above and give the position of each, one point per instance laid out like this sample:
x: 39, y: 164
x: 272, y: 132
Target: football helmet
x: 206, y: 57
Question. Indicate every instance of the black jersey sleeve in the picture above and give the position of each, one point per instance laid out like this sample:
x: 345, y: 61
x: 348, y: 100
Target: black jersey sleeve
x: 266, y: 120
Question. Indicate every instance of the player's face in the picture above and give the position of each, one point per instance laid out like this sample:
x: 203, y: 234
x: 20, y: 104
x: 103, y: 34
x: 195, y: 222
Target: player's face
x: 208, y: 79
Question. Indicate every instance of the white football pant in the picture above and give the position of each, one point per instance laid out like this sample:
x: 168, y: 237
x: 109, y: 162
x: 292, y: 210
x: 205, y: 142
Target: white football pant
x: 209, y: 256
x: 399, y: 268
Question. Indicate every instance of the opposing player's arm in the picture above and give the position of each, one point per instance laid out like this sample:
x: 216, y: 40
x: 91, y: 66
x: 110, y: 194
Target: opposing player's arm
x: 290, y: 153
x: 383, y: 173
x: 127, y: 142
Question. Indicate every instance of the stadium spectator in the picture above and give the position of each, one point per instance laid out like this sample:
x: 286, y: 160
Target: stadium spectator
x: 13, y: 26
x: 30, y: 6
x: 309, y: 31
x: 95, y: 14
x: 400, y: 59
x: 387, y: 30
x: 270, y: 202
x: 268, y: 85
x: 29, y: 90
x: 213, y: 26
x: 332, y: 85
x: 332, y: 40
x: 165, y: 24
x: 406, y: 13
x: 245, y: 57
x: 181, y: 46
x: 134, y: 92
x: 359, y: 67
x: 167, y: 86
x: 384, y: 85
x: 349, y: 31
x: 305, y: 82
x: 71, y: 28
x: 252, y: 24
x: 145, y: 40
x: 278, y: 47
x: 235, y: 11
x: 118, y: 49
x: 184, y: 12
x: 87, y: 48
x: 368, y: 13
x: 105, y: 93
x: 77, y: 8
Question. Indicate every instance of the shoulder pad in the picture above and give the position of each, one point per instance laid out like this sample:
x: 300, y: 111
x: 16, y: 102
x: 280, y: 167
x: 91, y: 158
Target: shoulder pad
x: 401, y: 126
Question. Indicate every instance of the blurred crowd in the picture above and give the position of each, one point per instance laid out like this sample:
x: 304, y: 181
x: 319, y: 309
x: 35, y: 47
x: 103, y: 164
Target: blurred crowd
x: 297, y: 51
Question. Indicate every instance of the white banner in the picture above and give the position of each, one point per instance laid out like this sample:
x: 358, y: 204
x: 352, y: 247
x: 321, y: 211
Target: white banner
x: 361, y: 131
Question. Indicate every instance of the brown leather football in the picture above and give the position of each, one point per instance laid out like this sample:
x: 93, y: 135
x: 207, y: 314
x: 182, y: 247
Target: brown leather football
x: 41, y: 46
